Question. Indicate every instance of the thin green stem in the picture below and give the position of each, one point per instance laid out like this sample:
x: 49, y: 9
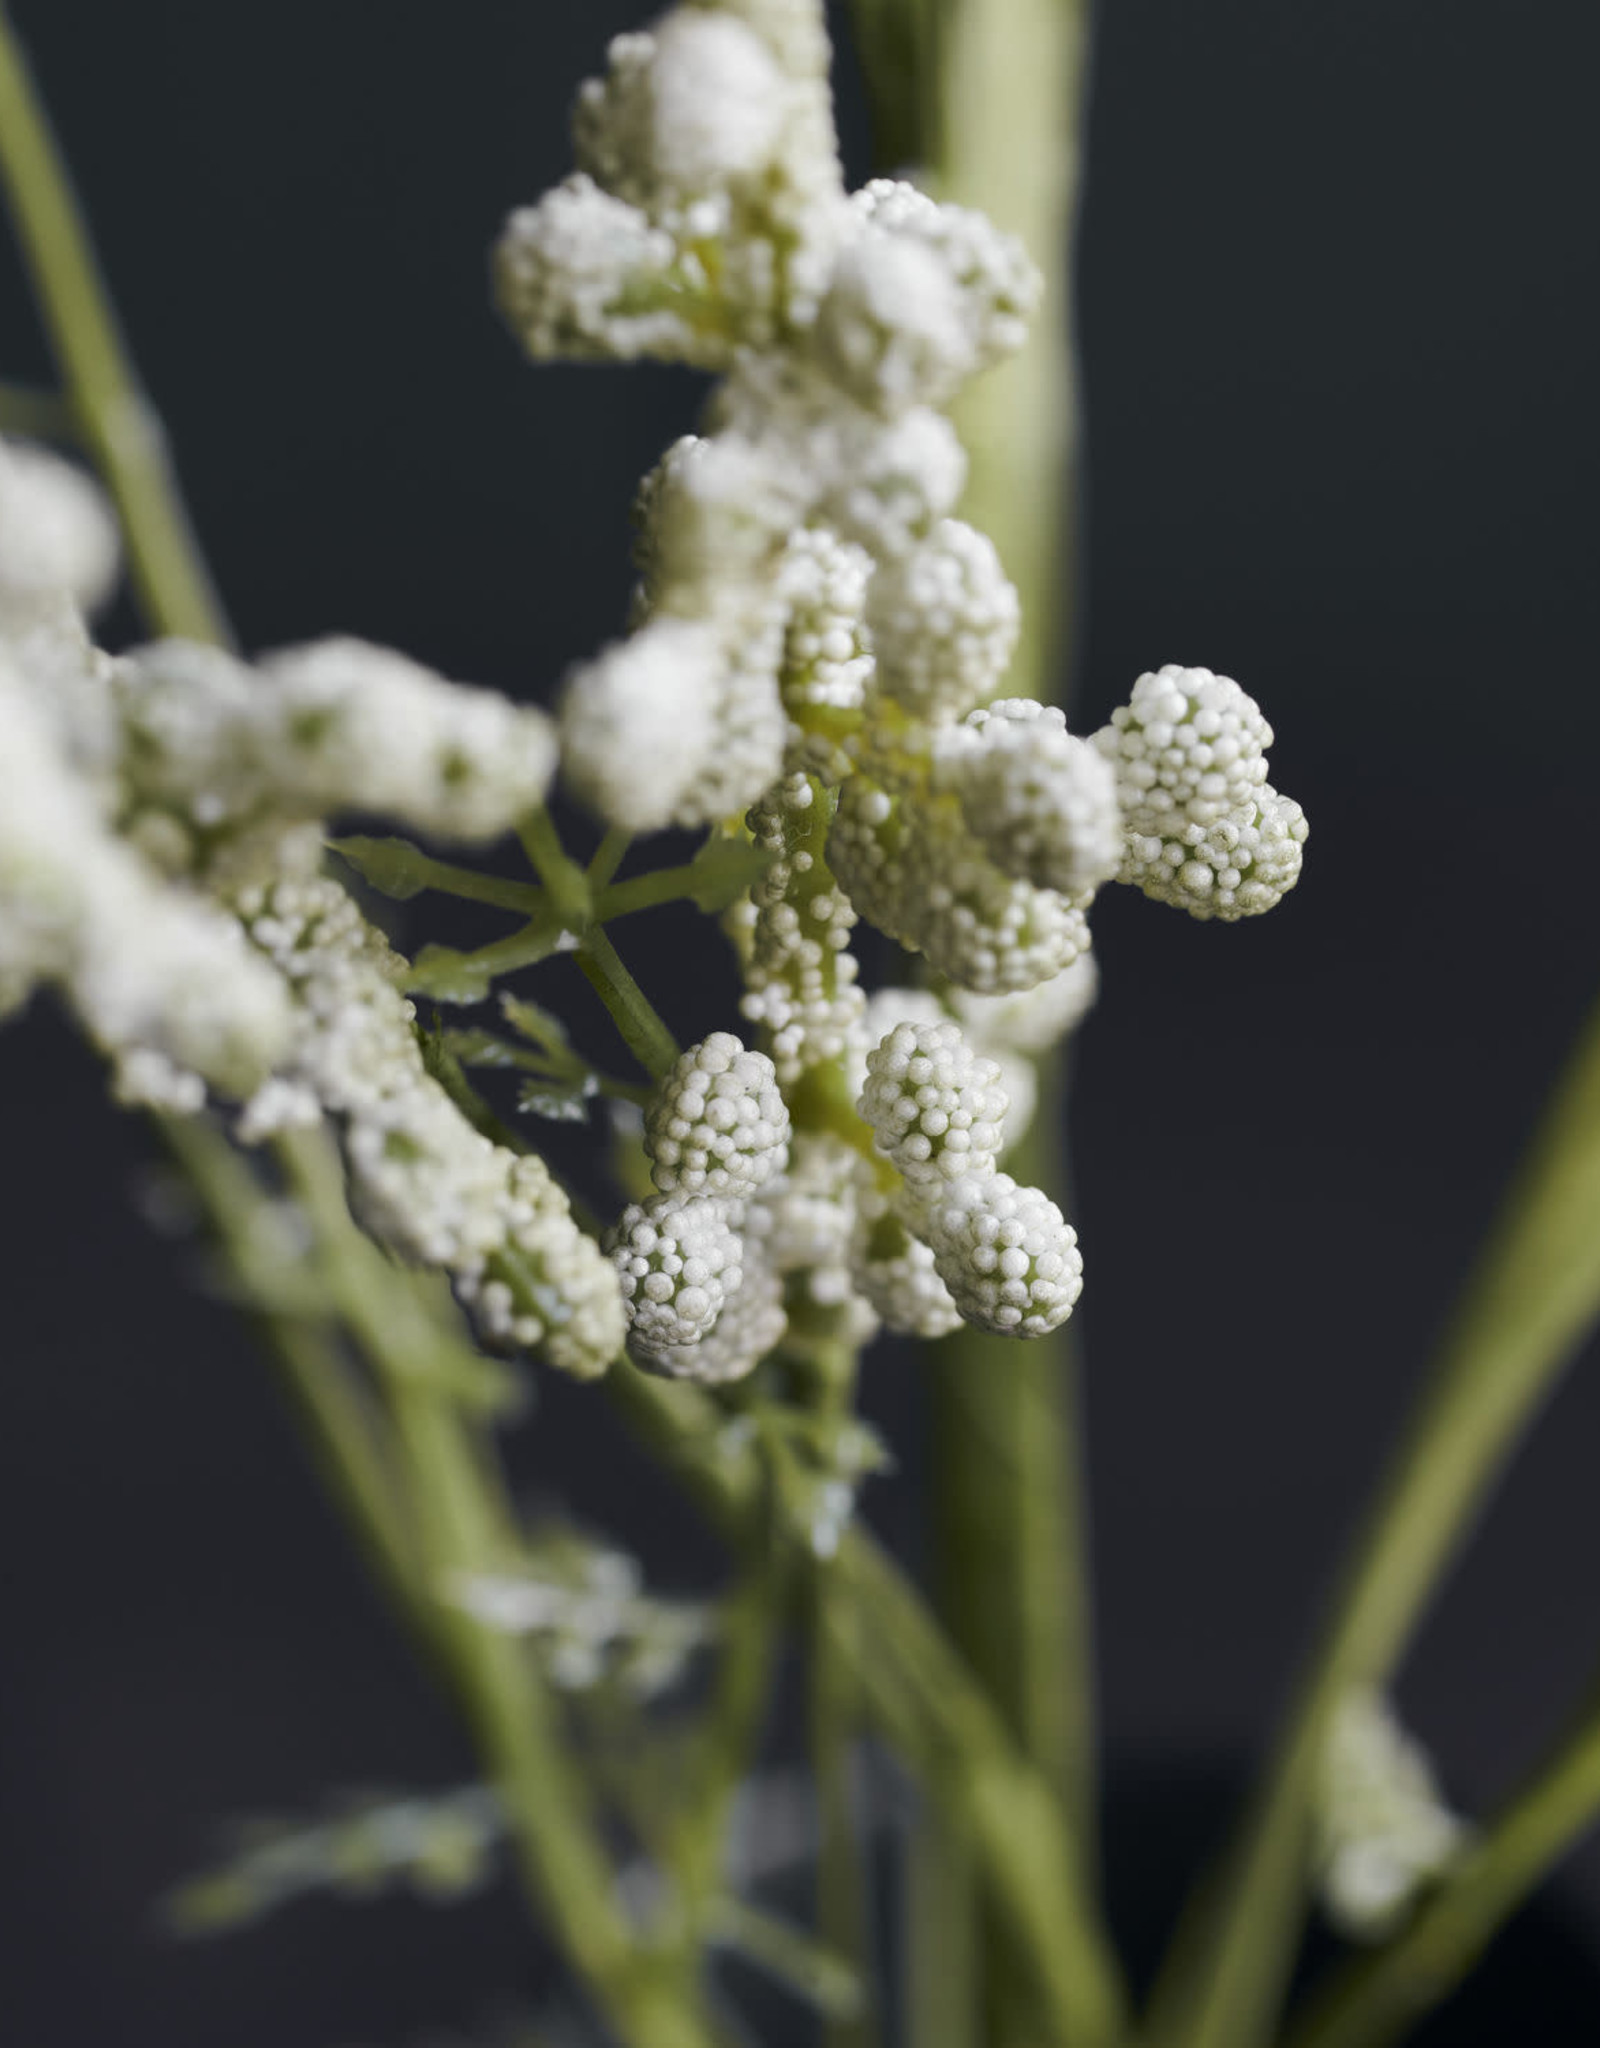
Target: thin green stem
x: 1534, y: 1295
x: 647, y: 892
x: 608, y: 857
x: 566, y: 882
x: 402, y: 870
x: 115, y: 421
x: 1376, y: 1999
x: 989, y: 95
x: 348, y: 1433
x: 921, y: 1698
x: 646, y: 1037
x: 467, y: 1526
x: 843, y: 1921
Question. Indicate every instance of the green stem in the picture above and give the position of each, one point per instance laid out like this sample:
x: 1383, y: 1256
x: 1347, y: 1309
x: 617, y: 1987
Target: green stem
x: 421, y: 871
x: 834, y: 1711
x: 467, y: 1526
x: 1534, y: 1295
x: 646, y: 1037
x: 843, y: 1923
x: 647, y: 892
x: 1000, y: 87
x: 115, y: 421
x: 348, y: 1434
x: 921, y: 1699
x: 566, y: 882
x: 1376, y: 1999
x: 608, y: 857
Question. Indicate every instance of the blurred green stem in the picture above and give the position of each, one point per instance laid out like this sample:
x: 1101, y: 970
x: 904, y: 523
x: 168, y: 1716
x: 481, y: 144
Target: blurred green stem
x: 1534, y: 1295
x: 117, y: 424
x: 994, y: 115
x: 1378, y: 1997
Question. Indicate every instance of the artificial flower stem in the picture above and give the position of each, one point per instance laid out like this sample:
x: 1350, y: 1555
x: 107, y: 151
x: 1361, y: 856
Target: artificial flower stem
x: 1534, y: 1295
x: 646, y: 1037
x: 1376, y: 1999
x: 116, y: 422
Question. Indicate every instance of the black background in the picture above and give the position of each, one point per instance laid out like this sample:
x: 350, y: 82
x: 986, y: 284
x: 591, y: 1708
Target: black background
x: 1340, y: 276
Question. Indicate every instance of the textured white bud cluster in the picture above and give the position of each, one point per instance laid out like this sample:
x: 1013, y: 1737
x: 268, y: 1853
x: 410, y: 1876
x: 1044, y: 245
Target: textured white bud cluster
x: 58, y: 538
x: 1383, y: 1831
x: 827, y: 653
x: 159, y: 977
x: 337, y: 725
x: 699, y: 1301
x: 1204, y: 829
x: 1005, y: 1254
x: 800, y: 977
x: 422, y: 1179
x: 707, y: 221
x: 971, y: 833
x: 160, y: 824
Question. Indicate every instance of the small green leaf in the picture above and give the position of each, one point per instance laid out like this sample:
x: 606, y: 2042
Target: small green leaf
x: 449, y: 976
x: 561, y: 1102
x: 533, y: 1023
x: 480, y: 1049
x: 394, y: 867
x: 723, y: 870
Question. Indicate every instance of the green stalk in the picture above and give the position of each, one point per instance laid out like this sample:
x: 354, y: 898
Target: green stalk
x: 1376, y: 1999
x: 1535, y: 1294
x: 921, y: 1699
x: 113, y: 418
x: 1001, y: 91
x: 467, y: 1526
x: 647, y: 1038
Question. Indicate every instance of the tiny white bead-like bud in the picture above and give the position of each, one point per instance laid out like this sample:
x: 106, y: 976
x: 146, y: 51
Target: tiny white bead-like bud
x: 678, y: 1260
x: 1007, y: 1254
x: 1188, y: 747
x: 717, y: 1125
x: 1042, y: 802
x: 935, y: 1106
x: 944, y: 621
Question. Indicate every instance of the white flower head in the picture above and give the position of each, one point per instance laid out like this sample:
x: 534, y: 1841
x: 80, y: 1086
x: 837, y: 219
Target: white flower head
x: 691, y: 107
x: 944, y: 621
x: 1237, y: 867
x: 1188, y: 747
x: 678, y: 1260
x: 637, y: 723
x: 1042, y: 802
x: 894, y: 1269
x: 912, y: 869
x: 935, y: 1106
x: 752, y: 1324
x: 718, y: 1124
x: 58, y: 534
x: 1007, y: 1254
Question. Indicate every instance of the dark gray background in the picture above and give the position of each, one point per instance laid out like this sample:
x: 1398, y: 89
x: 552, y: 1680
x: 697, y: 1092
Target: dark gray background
x: 1341, y: 306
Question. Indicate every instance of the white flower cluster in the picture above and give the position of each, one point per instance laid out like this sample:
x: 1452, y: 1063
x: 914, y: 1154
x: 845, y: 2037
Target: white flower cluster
x: 1383, y: 1831
x: 58, y: 540
x: 1205, y: 831
x: 334, y: 726
x: 974, y: 834
x: 708, y: 222
x: 699, y: 1304
x: 159, y: 976
x: 160, y: 822
x: 1005, y: 1253
x: 422, y: 1179
x: 800, y: 976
